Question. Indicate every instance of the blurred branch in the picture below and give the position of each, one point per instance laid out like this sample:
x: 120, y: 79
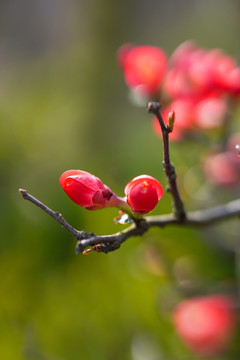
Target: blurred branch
x: 178, y: 208
x: 106, y: 243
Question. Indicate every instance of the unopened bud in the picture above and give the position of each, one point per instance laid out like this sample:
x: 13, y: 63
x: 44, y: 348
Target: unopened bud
x: 86, y: 189
x: 143, y: 193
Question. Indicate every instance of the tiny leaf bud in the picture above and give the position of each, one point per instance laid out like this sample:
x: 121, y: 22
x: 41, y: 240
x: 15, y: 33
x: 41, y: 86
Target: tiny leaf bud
x: 171, y: 120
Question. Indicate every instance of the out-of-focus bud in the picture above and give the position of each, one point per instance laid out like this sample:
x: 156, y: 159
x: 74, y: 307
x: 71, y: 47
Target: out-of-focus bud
x: 144, y: 67
x: 86, y: 189
x: 222, y: 67
x: 205, y: 324
x: 221, y: 170
x: 180, y: 56
x: 195, y: 71
x: 210, y: 112
x: 143, y: 193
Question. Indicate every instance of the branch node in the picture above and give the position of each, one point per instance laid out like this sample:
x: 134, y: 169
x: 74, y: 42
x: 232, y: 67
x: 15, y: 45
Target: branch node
x: 79, y: 248
x: 169, y: 170
x: 153, y: 106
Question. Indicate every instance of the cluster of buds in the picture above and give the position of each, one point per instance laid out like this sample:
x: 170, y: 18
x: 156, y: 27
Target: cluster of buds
x: 194, y: 82
x: 142, y: 193
x: 206, y: 324
x: 194, y: 87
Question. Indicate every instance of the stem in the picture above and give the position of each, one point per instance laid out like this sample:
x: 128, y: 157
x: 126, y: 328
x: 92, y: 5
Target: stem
x: 178, y: 207
x: 79, y: 235
x: 120, y: 203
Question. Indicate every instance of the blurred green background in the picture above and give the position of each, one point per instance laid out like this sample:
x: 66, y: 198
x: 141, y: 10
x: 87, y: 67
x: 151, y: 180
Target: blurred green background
x: 64, y: 105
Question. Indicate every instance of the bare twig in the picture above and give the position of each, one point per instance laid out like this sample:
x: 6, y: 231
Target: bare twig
x: 79, y: 235
x: 178, y: 207
x: 112, y: 242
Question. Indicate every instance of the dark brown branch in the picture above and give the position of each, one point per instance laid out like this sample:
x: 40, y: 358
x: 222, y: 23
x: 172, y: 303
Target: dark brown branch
x: 112, y: 242
x: 178, y: 207
x: 55, y: 215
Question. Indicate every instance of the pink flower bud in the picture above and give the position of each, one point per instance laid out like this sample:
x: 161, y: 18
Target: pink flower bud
x: 190, y: 72
x: 222, y: 67
x: 210, y: 112
x: 180, y: 56
x: 143, y: 193
x: 195, y: 71
x: 205, y: 324
x: 221, y: 170
x: 85, y: 189
x: 144, y: 68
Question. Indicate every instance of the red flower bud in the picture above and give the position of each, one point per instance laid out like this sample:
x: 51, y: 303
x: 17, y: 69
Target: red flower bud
x: 85, y: 189
x: 205, y: 324
x: 143, y: 193
x: 144, y: 68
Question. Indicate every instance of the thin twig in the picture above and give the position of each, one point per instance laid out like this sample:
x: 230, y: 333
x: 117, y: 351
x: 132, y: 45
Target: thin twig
x: 79, y: 235
x: 178, y: 207
x: 106, y: 243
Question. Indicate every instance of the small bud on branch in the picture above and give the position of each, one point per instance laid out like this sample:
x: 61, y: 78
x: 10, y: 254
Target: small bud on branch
x: 171, y: 120
x: 143, y: 193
